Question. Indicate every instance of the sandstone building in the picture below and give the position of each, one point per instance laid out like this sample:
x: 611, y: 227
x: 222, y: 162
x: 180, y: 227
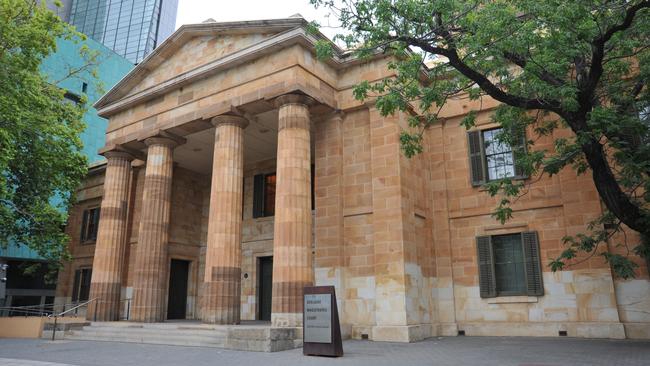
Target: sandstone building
x: 240, y: 169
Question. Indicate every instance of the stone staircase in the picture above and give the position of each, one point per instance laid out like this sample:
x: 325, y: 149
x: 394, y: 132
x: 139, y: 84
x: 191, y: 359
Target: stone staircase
x: 262, y: 338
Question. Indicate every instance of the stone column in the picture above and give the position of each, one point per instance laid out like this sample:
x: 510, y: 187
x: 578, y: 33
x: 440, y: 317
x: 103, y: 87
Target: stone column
x: 292, y: 250
x: 108, y: 263
x: 222, y: 294
x: 151, y: 262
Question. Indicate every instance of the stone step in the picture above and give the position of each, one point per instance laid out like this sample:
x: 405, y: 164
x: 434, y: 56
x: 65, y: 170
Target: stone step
x: 158, y: 326
x: 176, y: 332
x: 131, y: 339
x: 146, y: 336
x: 172, y: 337
x: 247, y: 337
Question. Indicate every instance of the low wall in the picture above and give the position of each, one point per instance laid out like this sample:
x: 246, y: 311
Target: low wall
x: 21, y: 327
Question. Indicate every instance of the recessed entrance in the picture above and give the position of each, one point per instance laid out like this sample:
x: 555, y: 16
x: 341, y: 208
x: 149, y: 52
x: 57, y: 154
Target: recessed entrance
x: 177, y: 300
x: 264, y: 286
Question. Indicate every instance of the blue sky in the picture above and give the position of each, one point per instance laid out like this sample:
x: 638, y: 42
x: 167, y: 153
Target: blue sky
x: 196, y: 11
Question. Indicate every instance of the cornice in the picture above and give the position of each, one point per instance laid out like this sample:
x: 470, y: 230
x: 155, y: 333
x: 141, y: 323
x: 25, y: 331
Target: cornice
x: 112, y: 102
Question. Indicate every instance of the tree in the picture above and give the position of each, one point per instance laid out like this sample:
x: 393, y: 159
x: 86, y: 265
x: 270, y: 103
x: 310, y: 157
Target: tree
x: 577, y: 64
x: 41, y: 164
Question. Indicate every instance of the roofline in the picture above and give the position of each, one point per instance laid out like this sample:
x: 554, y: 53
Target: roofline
x: 290, y: 37
x: 295, y: 32
x: 149, y: 62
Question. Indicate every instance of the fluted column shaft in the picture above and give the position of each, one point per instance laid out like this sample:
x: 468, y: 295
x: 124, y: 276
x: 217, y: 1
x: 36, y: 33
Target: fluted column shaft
x: 108, y: 262
x: 150, y: 270
x: 292, y: 252
x: 223, y: 256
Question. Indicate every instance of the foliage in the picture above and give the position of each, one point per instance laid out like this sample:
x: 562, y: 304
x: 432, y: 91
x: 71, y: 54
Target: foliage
x: 577, y: 64
x: 41, y: 163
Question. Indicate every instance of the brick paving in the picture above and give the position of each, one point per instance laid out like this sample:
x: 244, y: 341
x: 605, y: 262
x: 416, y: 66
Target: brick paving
x: 471, y: 351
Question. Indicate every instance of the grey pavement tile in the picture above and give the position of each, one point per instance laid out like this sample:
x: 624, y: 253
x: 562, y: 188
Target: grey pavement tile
x: 448, y: 351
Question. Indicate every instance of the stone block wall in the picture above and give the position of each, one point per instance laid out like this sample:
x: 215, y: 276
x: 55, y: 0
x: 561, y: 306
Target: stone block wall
x: 88, y: 196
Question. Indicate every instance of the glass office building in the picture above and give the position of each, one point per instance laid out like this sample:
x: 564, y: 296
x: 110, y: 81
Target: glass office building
x: 131, y: 28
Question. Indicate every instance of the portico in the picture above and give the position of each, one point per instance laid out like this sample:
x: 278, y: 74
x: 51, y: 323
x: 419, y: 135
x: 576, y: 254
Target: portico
x: 289, y: 118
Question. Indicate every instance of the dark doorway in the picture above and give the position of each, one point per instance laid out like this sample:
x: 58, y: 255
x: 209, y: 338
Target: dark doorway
x: 265, y: 284
x: 177, y: 300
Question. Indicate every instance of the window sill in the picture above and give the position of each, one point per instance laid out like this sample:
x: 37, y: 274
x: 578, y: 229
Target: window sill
x: 512, y: 300
x: 88, y: 242
x: 481, y: 187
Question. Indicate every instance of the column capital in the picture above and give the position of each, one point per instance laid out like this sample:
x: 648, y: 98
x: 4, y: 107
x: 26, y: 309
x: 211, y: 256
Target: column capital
x: 119, y: 152
x: 163, y: 138
x: 294, y: 99
x: 228, y: 119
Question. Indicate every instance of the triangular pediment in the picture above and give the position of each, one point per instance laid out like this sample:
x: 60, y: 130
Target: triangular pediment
x: 195, y: 52
x: 195, y: 48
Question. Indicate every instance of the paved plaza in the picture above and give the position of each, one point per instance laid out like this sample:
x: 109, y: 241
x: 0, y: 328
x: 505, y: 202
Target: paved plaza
x: 468, y: 351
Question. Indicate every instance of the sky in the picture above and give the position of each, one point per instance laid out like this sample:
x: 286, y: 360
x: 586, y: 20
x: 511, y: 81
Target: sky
x: 196, y: 11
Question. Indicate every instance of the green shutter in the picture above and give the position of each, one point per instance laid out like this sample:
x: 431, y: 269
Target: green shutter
x: 258, y: 196
x: 533, y: 263
x: 476, y: 158
x: 75, y: 285
x: 84, y: 226
x: 519, y: 146
x: 95, y: 223
x: 486, y: 277
x: 313, y: 187
x: 84, y: 289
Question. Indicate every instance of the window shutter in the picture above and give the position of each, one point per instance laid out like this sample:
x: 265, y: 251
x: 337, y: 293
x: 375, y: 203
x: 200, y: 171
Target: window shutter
x: 258, y: 196
x: 519, y: 146
x: 84, y: 226
x: 313, y: 187
x: 95, y: 225
x: 534, y: 276
x: 84, y: 291
x: 476, y: 158
x: 486, y: 277
x: 75, y: 285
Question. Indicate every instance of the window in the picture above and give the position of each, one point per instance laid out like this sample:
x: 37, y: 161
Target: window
x: 269, y: 195
x: 90, y: 224
x: 509, y: 265
x: 498, y: 156
x: 72, y: 97
x: 264, y: 194
x: 81, y: 285
x: 491, y: 159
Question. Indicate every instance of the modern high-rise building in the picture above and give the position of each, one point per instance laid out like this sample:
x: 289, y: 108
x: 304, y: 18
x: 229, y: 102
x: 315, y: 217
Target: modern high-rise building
x: 30, y: 288
x: 62, y: 10
x: 131, y: 28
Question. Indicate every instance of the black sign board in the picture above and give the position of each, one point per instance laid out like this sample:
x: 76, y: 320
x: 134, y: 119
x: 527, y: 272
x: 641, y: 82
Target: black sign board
x: 321, y: 330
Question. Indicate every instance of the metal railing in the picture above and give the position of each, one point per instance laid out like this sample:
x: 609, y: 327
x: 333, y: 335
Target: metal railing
x: 48, y: 310
x: 62, y: 314
x: 27, y: 310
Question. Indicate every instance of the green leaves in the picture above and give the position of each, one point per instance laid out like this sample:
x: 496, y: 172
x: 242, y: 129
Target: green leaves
x: 41, y: 164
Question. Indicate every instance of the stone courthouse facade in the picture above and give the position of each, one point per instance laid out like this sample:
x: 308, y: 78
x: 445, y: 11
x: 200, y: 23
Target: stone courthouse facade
x: 240, y: 169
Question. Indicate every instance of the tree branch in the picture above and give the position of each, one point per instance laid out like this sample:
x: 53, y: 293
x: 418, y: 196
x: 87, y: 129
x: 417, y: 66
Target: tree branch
x: 481, y: 80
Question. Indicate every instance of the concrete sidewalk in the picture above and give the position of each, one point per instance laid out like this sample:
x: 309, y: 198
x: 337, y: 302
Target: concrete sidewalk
x: 437, y: 351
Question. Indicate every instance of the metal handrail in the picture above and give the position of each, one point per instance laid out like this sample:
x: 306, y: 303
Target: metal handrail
x: 61, y: 314
x: 72, y: 308
x: 40, y: 309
